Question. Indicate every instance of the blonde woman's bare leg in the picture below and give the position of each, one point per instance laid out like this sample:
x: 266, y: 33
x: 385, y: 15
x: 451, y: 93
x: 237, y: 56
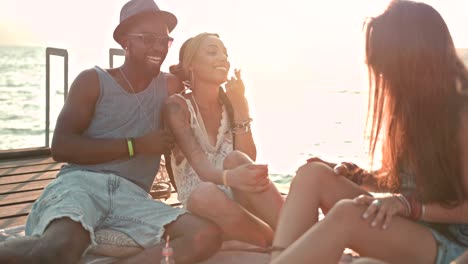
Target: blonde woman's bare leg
x: 208, y: 201
x: 314, y: 186
x: 265, y: 205
x: 368, y: 261
x: 403, y: 242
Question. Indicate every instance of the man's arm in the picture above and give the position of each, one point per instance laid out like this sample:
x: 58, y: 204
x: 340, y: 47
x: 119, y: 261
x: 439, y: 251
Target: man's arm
x: 69, y: 144
x: 174, y: 85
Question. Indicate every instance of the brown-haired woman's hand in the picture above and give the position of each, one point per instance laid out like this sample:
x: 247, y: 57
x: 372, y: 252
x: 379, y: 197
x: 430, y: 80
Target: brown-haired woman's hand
x: 381, y: 210
x: 249, y: 178
x: 317, y: 159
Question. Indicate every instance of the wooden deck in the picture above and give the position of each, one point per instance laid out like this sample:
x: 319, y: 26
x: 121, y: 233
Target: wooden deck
x: 22, y: 181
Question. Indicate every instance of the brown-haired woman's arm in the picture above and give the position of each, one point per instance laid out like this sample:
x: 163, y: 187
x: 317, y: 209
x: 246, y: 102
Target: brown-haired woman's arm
x: 456, y: 214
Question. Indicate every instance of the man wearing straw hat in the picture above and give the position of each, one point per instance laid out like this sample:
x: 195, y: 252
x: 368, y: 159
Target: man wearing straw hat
x: 109, y: 133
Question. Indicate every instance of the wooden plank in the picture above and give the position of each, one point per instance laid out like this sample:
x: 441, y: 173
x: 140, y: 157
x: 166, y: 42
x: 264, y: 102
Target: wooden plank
x: 45, y: 175
x: 22, y: 187
x: 24, y: 153
x: 14, y: 221
x: 22, y: 197
x: 23, y: 162
x: 29, y: 169
x: 15, y: 210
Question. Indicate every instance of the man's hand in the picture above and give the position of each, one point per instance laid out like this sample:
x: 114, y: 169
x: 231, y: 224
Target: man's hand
x: 155, y: 143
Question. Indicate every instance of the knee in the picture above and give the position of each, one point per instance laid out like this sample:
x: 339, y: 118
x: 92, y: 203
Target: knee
x: 206, y: 195
x: 206, y: 240
x: 64, y: 241
x: 235, y: 159
x: 368, y: 261
x: 61, y: 250
x: 312, y: 174
x: 347, y: 212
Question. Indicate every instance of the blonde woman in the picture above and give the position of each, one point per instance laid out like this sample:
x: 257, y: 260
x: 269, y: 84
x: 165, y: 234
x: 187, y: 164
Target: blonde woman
x: 214, y: 153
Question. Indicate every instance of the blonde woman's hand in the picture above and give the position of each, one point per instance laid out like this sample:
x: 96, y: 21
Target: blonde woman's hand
x: 381, y: 210
x: 249, y: 178
x: 235, y: 91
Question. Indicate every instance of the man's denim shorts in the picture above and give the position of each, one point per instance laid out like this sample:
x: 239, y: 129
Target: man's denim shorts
x: 102, y: 201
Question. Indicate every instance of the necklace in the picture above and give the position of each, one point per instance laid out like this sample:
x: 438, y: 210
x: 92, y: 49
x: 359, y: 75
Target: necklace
x: 138, y: 100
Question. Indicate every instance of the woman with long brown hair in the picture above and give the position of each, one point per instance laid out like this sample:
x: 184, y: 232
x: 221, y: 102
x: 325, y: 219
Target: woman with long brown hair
x: 418, y: 112
x: 214, y: 154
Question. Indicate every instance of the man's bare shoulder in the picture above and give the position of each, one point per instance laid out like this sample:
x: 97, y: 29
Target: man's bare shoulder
x: 85, y: 85
x: 88, y: 75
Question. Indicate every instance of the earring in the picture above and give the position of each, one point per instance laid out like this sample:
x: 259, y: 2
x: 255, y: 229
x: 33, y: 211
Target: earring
x: 192, y: 80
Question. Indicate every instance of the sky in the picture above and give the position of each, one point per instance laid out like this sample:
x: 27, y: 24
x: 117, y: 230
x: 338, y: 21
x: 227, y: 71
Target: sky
x: 293, y: 55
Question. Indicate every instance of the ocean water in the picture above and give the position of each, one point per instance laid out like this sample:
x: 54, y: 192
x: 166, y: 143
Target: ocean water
x: 22, y: 97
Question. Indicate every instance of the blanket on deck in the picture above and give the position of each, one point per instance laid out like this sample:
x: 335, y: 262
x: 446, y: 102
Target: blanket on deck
x: 232, y: 252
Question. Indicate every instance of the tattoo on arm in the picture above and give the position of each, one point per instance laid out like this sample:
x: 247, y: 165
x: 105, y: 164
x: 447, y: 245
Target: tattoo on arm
x: 178, y: 120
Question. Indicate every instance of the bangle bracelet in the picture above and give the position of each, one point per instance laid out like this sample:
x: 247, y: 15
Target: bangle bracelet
x: 131, y: 150
x: 405, y: 202
x: 423, y: 211
x: 240, y: 130
x: 416, y: 207
x: 224, y: 176
x: 243, y: 124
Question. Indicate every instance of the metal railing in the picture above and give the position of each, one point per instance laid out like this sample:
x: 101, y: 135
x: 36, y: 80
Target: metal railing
x: 18, y: 153
x: 61, y: 53
x: 114, y: 52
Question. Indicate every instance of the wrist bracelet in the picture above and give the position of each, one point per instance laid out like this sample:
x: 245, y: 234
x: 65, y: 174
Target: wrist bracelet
x: 224, y: 176
x: 416, y: 207
x: 130, y: 146
x: 405, y: 202
x: 243, y: 124
x: 423, y: 211
x: 240, y: 130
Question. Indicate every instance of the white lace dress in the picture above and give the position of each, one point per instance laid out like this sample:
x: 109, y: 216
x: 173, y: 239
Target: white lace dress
x: 185, y: 176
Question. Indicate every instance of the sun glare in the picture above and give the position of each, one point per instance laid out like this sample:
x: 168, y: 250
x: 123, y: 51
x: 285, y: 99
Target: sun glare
x: 302, y: 61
